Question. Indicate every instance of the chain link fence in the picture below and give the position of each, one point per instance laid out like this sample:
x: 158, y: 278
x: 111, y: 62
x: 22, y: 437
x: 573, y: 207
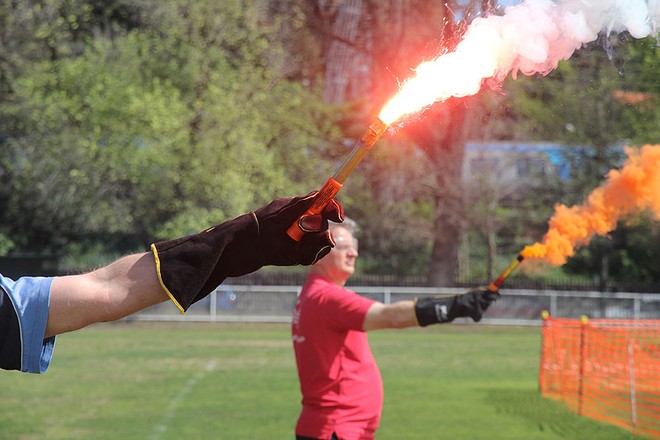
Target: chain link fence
x: 273, y: 303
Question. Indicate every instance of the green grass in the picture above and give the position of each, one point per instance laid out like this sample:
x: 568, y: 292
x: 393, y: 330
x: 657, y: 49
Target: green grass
x: 238, y: 381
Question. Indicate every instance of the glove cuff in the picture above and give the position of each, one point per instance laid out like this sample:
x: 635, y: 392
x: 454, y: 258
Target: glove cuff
x: 189, y: 268
x: 434, y: 310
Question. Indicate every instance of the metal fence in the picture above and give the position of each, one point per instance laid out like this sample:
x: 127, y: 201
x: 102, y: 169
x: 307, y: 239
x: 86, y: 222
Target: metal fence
x: 266, y: 303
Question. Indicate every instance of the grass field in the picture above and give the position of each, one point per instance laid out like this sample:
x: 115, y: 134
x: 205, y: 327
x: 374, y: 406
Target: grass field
x: 238, y: 381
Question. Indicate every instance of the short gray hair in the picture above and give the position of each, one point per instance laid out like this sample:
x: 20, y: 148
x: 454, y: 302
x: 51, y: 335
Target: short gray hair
x: 349, y: 224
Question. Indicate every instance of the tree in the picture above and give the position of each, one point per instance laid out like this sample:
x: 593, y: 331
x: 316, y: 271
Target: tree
x: 640, y: 90
x: 250, y: 131
x: 95, y: 137
x: 33, y: 33
x: 165, y: 118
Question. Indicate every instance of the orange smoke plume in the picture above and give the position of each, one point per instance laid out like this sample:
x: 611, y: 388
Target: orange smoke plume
x: 633, y: 189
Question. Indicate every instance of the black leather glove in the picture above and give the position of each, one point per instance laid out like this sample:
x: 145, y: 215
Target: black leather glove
x: 191, y: 267
x: 437, y: 310
x: 274, y: 219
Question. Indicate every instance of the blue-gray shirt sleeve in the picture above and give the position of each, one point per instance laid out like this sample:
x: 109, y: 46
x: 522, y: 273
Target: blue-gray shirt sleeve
x: 29, y: 299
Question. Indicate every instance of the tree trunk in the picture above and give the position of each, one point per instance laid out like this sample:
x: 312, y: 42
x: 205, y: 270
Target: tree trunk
x: 446, y: 234
x: 604, y: 272
x: 443, y: 141
x: 342, y: 55
x: 491, y: 234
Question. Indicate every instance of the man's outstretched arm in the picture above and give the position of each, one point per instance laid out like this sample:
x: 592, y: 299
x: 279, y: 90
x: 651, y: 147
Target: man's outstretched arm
x: 187, y: 269
x: 429, y: 310
x: 124, y: 287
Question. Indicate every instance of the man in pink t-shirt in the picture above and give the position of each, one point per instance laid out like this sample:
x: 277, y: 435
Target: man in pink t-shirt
x: 342, y: 390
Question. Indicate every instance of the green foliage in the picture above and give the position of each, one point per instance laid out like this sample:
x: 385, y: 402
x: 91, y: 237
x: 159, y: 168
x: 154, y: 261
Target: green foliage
x: 82, y: 256
x: 393, y: 211
x: 91, y: 162
x: 6, y: 244
x: 629, y: 254
x: 575, y: 104
x: 163, y: 117
x: 190, y: 221
x: 640, y: 76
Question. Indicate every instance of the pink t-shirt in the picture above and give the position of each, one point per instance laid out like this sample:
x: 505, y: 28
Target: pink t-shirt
x: 340, y: 382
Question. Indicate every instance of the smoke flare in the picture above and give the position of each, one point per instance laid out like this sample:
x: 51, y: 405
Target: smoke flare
x: 633, y: 189
x: 531, y: 37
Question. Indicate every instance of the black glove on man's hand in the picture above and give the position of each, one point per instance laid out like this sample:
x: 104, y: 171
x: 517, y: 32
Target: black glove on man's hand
x: 274, y: 219
x: 189, y: 268
x: 437, y: 310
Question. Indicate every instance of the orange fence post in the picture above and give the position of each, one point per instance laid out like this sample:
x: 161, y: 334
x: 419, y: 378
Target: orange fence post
x: 631, y: 373
x: 542, y: 361
x: 584, y: 321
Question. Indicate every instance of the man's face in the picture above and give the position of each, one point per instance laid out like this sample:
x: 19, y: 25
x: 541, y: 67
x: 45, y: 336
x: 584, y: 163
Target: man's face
x: 339, y: 264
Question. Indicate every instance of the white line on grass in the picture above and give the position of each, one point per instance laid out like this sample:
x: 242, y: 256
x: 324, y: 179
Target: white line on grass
x: 161, y: 427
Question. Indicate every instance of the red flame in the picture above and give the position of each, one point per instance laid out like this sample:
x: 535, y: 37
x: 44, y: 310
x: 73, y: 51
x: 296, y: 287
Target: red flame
x: 633, y: 189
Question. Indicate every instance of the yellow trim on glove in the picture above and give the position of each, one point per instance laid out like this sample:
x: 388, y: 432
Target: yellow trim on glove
x: 415, y: 311
x: 160, y: 279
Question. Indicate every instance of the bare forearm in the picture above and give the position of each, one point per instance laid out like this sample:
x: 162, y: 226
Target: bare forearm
x: 124, y: 287
x: 400, y: 314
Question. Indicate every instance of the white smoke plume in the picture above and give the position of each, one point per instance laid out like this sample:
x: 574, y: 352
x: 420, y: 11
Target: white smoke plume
x: 534, y: 36
x: 531, y: 37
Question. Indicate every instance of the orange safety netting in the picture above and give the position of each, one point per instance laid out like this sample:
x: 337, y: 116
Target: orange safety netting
x: 605, y: 369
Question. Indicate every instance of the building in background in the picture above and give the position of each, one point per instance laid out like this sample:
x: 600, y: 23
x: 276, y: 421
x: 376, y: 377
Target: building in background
x: 510, y: 170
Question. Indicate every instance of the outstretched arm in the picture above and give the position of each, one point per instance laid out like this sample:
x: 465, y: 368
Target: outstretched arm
x: 124, y: 287
x: 400, y: 314
x: 187, y: 269
x: 429, y: 310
